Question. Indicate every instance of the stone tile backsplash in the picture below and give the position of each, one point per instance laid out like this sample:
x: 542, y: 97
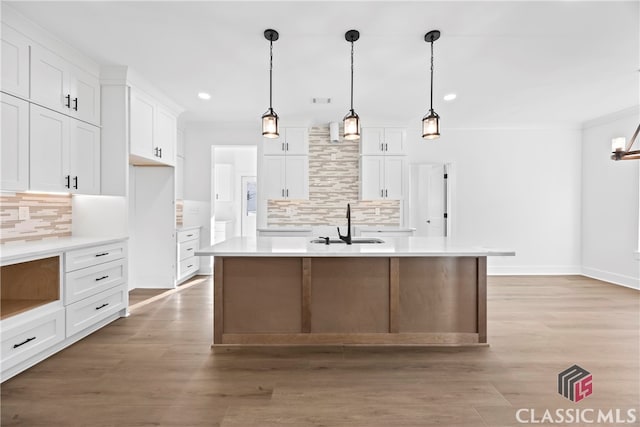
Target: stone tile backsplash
x: 49, y: 217
x: 334, y: 181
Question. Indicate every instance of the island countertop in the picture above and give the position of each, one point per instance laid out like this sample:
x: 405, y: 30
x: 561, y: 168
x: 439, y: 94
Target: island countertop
x: 392, y: 247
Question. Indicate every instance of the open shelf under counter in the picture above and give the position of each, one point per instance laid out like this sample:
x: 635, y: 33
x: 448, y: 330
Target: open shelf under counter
x: 27, y: 285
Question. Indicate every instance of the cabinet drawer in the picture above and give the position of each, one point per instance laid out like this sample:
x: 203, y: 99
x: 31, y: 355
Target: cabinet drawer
x: 94, y: 255
x: 189, y: 265
x: 188, y: 248
x: 91, y: 280
x: 183, y: 236
x: 30, y: 338
x: 82, y: 314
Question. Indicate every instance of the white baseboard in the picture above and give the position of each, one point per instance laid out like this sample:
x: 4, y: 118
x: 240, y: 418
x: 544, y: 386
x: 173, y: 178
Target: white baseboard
x: 534, y: 270
x: 615, y: 278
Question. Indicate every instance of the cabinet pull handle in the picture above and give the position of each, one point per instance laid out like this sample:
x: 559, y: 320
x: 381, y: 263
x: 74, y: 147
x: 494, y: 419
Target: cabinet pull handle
x: 68, y: 179
x: 102, y: 306
x: 189, y: 249
x: 75, y: 182
x: 287, y: 192
x: 381, y: 193
x: 283, y: 192
x: 24, y: 342
x: 160, y: 149
x: 68, y: 98
x: 386, y: 147
x: 287, y: 144
x: 101, y: 278
x: 386, y: 193
x: 155, y: 150
x: 102, y: 254
x: 282, y: 146
x: 75, y: 104
x: 190, y: 265
x: 216, y: 196
x: 189, y: 235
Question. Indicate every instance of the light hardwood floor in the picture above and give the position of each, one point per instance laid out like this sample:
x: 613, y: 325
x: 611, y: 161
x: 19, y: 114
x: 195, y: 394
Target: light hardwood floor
x: 157, y: 368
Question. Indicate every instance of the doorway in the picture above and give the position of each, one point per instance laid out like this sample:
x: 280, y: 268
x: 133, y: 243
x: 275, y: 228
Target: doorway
x: 430, y: 199
x: 233, y: 176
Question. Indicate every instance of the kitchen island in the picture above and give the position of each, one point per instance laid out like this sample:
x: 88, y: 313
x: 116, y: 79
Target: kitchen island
x: 404, y: 291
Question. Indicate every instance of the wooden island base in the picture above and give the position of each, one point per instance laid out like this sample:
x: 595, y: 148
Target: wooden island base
x: 347, y: 301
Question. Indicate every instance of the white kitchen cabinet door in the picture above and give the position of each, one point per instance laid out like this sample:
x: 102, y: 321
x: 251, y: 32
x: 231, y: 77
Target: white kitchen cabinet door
x: 296, y: 141
x: 85, y: 96
x: 394, y: 141
x: 166, y: 132
x: 142, y: 119
x: 224, y: 182
x: 15, y: 62
x: 15, y: 144
x: 393, y: 177
x: 274, y: 146
x: 50, y: 80
x: 84, y: 157
x: 372, y: 177
x: 274, y: 177
x: 297, y: 177
x: 372, y: 140
x: 49, y: 150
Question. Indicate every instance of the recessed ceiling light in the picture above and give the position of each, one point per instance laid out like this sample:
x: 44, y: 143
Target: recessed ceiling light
x: 204, y: 95
x: 450, y: 97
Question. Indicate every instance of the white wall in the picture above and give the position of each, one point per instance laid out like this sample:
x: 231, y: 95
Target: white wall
x: 610, y: 203
x: 199, y: 137
x: 514, y: 188
x: 99, y: 216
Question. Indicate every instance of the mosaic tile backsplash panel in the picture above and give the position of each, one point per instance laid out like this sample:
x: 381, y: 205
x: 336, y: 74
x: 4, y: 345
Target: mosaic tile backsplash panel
x: 50, y: 217
x: 333, y: 182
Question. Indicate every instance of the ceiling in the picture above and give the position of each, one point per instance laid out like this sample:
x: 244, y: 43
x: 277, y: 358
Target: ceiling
x: 510, y: 63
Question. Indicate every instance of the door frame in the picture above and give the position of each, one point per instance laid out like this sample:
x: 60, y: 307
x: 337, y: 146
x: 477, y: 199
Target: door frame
x: 449, y: 169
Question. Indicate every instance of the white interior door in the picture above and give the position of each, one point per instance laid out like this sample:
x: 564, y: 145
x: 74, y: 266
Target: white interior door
x: 428, y: 199
x: 249, y: 206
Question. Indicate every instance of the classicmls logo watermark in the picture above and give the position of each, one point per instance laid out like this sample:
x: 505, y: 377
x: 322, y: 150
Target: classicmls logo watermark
x: 575, y: 383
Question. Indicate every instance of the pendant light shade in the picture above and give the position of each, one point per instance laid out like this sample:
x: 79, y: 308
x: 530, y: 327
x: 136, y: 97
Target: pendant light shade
x: 351, y: 120
x: 621, y: 152
x: 270, y: 120
x: 431, y: 121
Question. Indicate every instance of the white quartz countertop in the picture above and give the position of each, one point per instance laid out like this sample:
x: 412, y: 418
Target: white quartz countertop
x: 302, y: 229
x: 11, y: 252
x: 392, y: 247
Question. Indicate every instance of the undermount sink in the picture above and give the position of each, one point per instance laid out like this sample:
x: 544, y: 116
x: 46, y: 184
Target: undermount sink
x: 354, y: 241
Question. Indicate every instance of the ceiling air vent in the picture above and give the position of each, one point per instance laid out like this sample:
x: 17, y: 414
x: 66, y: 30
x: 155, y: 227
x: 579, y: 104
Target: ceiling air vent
x: 321, y: 100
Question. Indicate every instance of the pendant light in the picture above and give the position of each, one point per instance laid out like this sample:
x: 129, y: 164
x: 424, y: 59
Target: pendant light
x: 351, y: 120
x: 270, y: 125
x: 431, y: 122
x: 620, y: 152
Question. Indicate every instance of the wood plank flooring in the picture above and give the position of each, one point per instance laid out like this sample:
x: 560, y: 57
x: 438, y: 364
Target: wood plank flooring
x: 156, y: 367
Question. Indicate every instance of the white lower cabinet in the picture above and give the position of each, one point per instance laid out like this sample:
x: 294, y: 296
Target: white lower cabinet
x: 91, y: 290
x: 84, y: 313
x: 31, y: 337
x: 188, y: 242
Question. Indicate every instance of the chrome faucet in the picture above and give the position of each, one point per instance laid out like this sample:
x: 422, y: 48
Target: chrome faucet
x: 347, y: 238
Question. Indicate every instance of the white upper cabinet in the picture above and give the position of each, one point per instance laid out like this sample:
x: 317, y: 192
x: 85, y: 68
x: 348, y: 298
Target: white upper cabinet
x: 382, y: 177
x: 154, y: 131
x: 286, y: 177
x: 15, y: 62
x: 64, y: 153
x: 383, y: 141
x: 64, y: 87
x: 14, y: 175
x: 166, y: 133
x: 292, y: 141
x: 84, y: 158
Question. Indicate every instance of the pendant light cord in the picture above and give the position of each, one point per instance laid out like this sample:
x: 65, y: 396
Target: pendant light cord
x: 431, y: 107
x: 351, y: 76
x: 270, y: 74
